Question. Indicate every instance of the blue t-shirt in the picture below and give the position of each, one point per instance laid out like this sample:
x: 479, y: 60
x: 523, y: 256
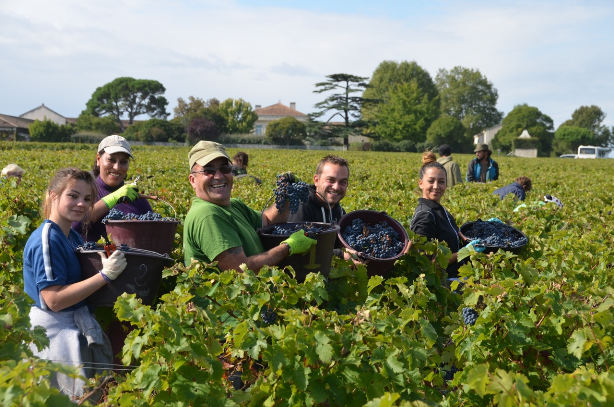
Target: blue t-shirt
x: 49, y: 259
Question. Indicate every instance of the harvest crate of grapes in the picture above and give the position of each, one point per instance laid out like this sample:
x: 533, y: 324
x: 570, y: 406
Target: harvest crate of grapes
x: 495, y: 235
x: 142, y: 275
x: 381, y: 238
x: 317, y: 259
x: 148, y: 232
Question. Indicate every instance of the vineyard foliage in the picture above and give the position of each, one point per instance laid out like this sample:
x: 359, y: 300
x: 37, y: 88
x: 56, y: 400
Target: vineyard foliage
x: 544, y: 334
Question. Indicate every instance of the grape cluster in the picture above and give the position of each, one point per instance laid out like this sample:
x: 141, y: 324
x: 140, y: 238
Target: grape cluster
x: 268, y: 315
x: 470, y: 316
x: 450, y: 373
x: 115, y: 214
x: 495, y: 234
x: 123, y: 247
x: 89, y: 246
x: 380, y: 240
x: 309, y: 228
x: 295, y: 193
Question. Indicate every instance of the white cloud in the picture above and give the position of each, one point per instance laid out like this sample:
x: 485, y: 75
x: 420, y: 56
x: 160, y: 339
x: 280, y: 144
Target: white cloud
x: 554, y: 55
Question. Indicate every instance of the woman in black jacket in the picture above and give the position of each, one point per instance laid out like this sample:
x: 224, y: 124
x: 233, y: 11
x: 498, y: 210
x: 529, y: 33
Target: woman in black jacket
x: 430, y: 218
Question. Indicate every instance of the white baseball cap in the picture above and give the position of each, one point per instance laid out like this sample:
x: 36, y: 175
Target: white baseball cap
x: 115, y: 144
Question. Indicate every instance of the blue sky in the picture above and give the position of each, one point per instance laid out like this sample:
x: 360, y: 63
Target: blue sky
x: 555, y: 55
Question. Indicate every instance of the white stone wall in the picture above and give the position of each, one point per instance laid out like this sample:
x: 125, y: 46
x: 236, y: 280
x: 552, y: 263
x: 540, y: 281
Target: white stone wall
x: 42, y: 112
x: 526, y: 152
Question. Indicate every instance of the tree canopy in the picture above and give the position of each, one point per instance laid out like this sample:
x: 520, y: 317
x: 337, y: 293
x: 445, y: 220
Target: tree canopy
x: 238, y: 115
x: 591, y: 118
x: 449, y: 130
x: 567, y: 139
x: 202, y: 129
x: 49, y: 131
x: 128, y: 96
x: 155, y: 130
x: 525, y: 117
x: 470, y: 97
x: 407, y: 114
x: 287, y: 131
x: 408, y: 101
x: 106, y: 125
x: 344, y: 104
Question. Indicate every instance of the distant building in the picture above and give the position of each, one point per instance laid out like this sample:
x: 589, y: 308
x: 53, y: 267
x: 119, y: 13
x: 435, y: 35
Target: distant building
x: 275, y: 112
x: 43, y: 112
x: 15, y: 128
x: 486, y: 136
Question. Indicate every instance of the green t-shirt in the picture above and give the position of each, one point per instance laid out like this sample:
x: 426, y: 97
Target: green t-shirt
x: 211, y: 229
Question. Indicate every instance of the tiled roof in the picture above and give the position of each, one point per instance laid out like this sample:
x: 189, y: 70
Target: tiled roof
x: 278, y: 110
x: 36, y: 108
x: 14, y: 122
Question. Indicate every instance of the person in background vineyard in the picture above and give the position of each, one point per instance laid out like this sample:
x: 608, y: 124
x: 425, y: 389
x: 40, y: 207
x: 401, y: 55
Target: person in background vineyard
x: 520, y: 187
x: 330, y: 183
x: 13, y: 171
x: 430, y: 218
x: 239, y: 163
x: 223, y: 229
x: 52, y: 279
x: 110, y: 169
x: 452, y: 168
x: 482, y: 168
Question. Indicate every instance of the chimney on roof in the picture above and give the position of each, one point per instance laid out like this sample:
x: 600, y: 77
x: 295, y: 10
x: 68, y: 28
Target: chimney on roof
x: 293, y: 105
x: 258, y: 107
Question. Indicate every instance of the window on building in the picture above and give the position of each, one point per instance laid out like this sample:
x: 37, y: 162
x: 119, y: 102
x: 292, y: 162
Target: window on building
x: 259, y: 130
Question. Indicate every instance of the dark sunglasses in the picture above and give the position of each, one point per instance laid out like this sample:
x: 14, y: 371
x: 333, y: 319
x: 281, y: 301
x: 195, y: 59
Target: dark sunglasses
x: 210, y: 171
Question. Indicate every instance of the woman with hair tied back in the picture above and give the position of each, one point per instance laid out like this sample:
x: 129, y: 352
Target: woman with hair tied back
x: 111, y: 169
x: 52, y: 279
x: 431, y: 219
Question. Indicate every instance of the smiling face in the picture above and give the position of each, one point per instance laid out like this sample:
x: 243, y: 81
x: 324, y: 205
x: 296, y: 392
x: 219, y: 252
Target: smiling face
x: 72, y: 204
x: 113, y: 167
x: 332, y: 183
x: 433, y: 184
x: 212, y: 188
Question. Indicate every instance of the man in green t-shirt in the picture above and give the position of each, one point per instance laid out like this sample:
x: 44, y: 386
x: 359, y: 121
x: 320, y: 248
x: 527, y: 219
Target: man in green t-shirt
x: 223, y: 229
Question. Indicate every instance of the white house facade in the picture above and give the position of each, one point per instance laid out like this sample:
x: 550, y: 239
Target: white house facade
x: 275, y: 112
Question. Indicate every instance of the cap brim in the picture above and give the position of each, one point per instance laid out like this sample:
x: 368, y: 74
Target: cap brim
x: 210, y: 157
x: 117, y: 149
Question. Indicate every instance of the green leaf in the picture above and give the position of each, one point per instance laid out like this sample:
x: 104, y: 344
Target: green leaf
x: 478, y: 379
x: 387, y: 400
x: 239, y: 333
x: 428, y: 332
x: 576, y: 343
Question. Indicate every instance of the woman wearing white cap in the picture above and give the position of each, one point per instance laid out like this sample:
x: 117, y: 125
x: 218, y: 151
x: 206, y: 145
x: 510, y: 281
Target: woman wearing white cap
x: 110, y: 169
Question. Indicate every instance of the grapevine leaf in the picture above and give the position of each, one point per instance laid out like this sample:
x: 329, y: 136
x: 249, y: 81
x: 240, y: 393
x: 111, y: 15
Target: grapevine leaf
x: 387, y: 400
x: 374, y: 282
x: 478, y: 379
x: 605, y: 305
x: 428, y: 332
x: 239, y: 333
x: 323, y: 348
x: 464, y: 252
x: 576, y: 343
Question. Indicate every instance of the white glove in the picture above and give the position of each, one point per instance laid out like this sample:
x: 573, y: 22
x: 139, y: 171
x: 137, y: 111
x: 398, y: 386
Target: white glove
x: 114, y: 265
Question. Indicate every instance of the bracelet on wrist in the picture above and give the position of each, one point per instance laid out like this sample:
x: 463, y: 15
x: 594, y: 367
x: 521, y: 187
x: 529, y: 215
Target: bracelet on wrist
x: 107, y: 279
x: 289, y: 248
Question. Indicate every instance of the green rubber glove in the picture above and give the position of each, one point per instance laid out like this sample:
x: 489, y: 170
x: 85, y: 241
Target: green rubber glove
x: 289, y: 177
x: 495, y: 220
x: 127, y: 193
x: 477, y: 245
x: 299, y: 243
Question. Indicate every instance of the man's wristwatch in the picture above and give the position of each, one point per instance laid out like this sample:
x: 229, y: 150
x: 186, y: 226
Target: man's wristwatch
x: 289, y: 248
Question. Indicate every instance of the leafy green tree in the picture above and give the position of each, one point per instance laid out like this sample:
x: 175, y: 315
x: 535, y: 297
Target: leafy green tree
x: 449, y: 130
x: 525, y: 117
x: 591, y: 118
x: 344, y: 104
x: 238, y: 115
x: 386, y: 81
x: 287, y: 131
x: 567, y: 139
x: 470, y: 97
x: 155, y: 130
x: 128, y: 96
x: 202, y: 129
x: 106, y: 125
x: 195, y: 107
x: 49, y: 131
x: 407, y: 114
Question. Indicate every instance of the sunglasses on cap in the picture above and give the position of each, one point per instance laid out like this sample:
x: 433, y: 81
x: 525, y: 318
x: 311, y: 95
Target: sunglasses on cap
x: 210, y: 171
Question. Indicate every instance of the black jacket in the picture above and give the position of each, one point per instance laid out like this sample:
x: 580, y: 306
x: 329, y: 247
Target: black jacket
x: 514, y: 188
x: 316, y: 210
x: 434, y: 222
